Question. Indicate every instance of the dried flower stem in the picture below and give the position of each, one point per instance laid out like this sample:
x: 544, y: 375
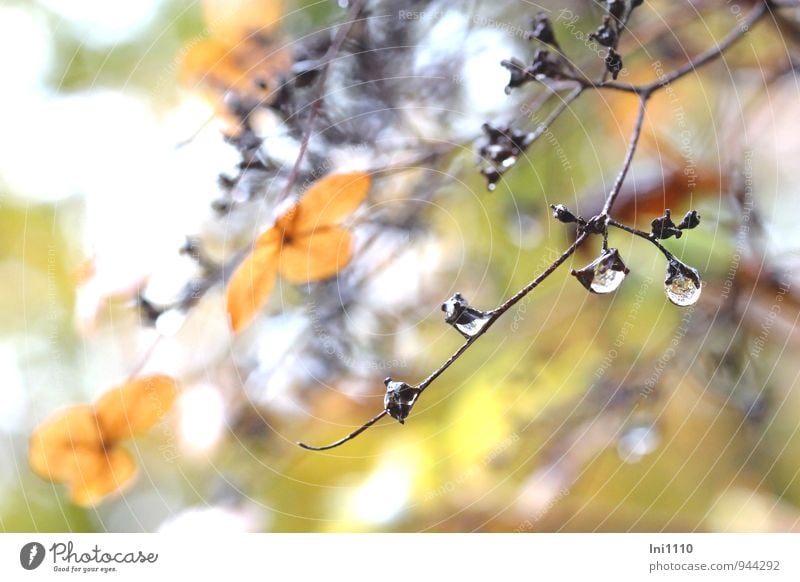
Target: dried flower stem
x: 644, y: 92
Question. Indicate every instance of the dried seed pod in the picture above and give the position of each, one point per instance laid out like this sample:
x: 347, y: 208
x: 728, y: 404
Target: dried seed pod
x: 400, y: 399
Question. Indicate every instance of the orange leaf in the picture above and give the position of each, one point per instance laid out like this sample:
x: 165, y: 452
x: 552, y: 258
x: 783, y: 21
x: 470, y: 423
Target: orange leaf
x: 65, y: 445
x: 329, y: 200
x: 232, y: 20
x: 251, y: 285
x: 134, y: 407
x: 316, y: 256
x: 116, y: 469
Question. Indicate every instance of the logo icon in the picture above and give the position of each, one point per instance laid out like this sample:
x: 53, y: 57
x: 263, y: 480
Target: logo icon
x: 31, y: 555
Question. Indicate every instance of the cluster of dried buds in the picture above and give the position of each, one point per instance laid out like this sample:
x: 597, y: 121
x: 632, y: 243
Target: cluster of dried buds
x: 605, y: 274
x: 545, y: 64
x: 500, y: 150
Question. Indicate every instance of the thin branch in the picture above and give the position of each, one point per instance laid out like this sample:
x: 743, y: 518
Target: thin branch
x: 702, y: 59
x: 330, y: 55
x: 640, y: 233
x: 644, y: 92
x: 626, y: 164
x: 499, y: 311
x: 349, y: 437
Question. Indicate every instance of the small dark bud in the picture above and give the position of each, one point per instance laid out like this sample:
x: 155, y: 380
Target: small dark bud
x: 519, y: 74
x: 613, y: 63
x: 606, y: 35
x: 664, y: 228
x: 542, y: 30
x: 691, y: 220
x: 222, y: 205
x: 305, y: 73
x: 400, y: 399
x: 150, y: 311
x: 465, y: 318
x: 563, y: 214
x: 492, y: 176
x: 616, y: 8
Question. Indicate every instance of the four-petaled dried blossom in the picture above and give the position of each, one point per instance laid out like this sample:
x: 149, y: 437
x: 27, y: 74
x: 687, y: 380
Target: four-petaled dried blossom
x: 81, y: 446
x: 613, y: 63
x: 400, y: 399
x: 563, y: 214
x: 603, y: 275
x: 663, y: 227
x: 682, y: 283
x: 466, y: 319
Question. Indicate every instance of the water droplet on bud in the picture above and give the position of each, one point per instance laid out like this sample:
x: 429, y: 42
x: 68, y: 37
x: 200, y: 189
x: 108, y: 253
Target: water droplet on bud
x: 467, y: 320
x: 603, y: 275
x: 400, y: 398
x: 682, y: 284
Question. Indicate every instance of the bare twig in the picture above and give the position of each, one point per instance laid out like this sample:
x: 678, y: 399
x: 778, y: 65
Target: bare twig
x: 644, y: 92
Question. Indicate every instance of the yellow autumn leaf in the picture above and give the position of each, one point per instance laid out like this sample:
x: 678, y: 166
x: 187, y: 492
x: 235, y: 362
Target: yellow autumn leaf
x: 316, y: 256
x: 79, y: 447
x: 115, y: 469
x: 305, y: 243
x: 330, y: 199
x: 251, y: 285
x: 232, y: 20
x: 64, y: 445
x: 135, y: 406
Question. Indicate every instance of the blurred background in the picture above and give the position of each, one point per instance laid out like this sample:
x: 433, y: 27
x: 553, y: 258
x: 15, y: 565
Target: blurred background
x: 576, y: 412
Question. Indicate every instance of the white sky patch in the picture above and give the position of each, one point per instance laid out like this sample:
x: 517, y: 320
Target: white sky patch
x: 482, y: 78
x: 202, y: 418
x: 101, y: 23
x: 26, y: 51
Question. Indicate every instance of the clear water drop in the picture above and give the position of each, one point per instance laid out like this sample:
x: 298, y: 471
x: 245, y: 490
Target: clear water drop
x: 682, y: 284
x: 637, y: 442
x: 606, y: 280
x: 467, y: 320
x: 603, y: 275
